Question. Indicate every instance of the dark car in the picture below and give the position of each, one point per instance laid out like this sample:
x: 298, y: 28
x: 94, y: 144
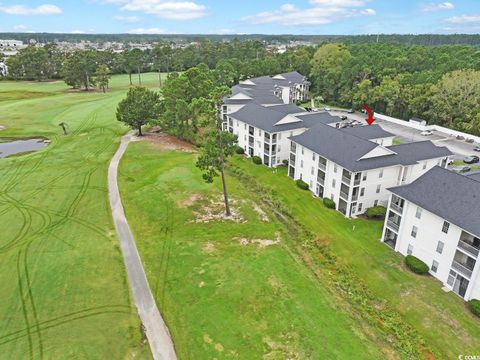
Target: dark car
x: 461, y: 168
x: 471, y: 159
x: 476, y: 148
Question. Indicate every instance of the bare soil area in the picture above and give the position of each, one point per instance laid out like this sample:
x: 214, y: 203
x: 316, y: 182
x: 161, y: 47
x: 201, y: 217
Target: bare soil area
x: 166, y: 142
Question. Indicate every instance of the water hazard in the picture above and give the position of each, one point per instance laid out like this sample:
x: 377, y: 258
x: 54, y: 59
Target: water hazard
x: 21, y: 146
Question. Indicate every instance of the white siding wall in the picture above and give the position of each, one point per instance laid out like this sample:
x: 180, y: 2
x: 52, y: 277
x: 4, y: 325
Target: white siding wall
x: 425, y: 244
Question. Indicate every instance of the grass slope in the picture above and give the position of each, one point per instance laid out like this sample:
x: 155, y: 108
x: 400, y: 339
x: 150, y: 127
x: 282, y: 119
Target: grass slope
x: 441, y: 319
x: 62, y: 279
x: 222, y: 299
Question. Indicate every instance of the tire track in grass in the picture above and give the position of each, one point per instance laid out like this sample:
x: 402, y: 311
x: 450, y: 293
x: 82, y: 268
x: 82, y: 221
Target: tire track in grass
x: 24, y: 306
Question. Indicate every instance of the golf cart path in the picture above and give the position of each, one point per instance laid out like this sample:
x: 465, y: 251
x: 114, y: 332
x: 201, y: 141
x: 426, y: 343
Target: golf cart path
x: 156, y: 330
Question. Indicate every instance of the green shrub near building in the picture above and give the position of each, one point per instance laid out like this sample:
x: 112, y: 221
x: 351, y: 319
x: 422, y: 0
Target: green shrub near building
x: 329, y: 203
x: 416, y: 265
x: 256, y: 160
x: 302, y: 184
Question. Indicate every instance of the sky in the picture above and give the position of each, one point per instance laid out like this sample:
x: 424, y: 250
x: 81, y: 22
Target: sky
x: 241, y: 17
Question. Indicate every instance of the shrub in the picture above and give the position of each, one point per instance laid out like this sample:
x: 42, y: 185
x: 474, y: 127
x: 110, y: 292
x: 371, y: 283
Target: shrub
x: 416, y: 265
x: 285, y: 162
x: 376, y: 212
x: 256, y: 160
x: 302, y: 184
x: 239, y: 150
x: 329, y: 203
x: 474, y: 306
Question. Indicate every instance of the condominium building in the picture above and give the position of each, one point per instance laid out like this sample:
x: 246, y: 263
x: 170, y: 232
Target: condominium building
x: 355, y: 166
x: 436, y: 218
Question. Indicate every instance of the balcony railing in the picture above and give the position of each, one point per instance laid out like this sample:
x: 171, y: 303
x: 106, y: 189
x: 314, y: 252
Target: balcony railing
x: 344, y: 195
x: 461, y: 268
x: 468, y: 248
x: 354, y: 197
x: 393, y: 225
x: 356, y: 182
x: 321, y: 181
x: 396, y: 208
x: 346, y: 180
x: 322, y: 166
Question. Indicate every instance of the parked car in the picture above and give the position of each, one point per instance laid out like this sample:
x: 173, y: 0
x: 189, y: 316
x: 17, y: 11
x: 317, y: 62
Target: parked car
x: 343, y: 117
x: 471, y: 159
x: 476, y: 148
x: 426, y: 133
x: 327, y: 109
x: 462, y: 169
x: 350, y: 111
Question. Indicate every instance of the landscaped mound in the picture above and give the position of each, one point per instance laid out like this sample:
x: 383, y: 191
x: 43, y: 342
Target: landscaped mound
x: 376, y: 212
x: 416, y: 265
x: 474, y: 306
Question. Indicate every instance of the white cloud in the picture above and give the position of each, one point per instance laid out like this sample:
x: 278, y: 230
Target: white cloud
x: 45, y: 9
x: 168, y: 9
x: 148, y: 31
x: 128, y: 19
x: 464, y: 19
x: 321, y: 12
x: 20, y: 27
x: 438, y: 6
x: 222, y: 31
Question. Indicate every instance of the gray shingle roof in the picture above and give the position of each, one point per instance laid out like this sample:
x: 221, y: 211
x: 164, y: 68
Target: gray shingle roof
x: 265, y: 117
x: 452, y: 196
x: 346, y: 149
x: 368, y: 132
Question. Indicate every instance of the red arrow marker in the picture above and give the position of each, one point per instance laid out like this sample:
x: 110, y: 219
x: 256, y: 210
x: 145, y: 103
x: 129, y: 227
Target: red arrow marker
x: 370, y: 118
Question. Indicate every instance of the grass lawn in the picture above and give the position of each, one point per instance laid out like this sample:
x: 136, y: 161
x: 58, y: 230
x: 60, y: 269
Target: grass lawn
x: 64, y: 293
x: 224, y: 295
x: 440, y: 319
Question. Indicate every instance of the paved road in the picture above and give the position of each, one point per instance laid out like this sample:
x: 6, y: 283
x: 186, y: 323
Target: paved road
x: 157, y: 333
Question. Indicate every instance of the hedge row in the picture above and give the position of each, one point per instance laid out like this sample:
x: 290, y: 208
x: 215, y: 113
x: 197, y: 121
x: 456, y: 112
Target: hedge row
x: 416, y: 265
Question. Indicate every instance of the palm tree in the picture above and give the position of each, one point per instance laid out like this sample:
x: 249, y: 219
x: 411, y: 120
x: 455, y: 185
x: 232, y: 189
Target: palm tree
x: 64, y: 128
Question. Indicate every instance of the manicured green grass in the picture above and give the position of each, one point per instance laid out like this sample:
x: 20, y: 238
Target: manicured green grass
x: 64, y: 293
x: 440, y: 318
x: 222, y: 299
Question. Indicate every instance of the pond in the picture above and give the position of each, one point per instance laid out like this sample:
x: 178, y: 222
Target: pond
x: 21, y: 146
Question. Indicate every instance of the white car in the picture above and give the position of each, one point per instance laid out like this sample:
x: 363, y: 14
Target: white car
x: 426, y: 133
x: 327, y: 109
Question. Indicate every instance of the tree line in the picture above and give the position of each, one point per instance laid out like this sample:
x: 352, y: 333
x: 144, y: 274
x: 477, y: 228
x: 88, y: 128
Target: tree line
x: 439, y: 84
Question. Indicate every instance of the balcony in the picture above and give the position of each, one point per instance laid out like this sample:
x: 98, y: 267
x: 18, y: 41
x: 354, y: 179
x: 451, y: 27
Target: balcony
x: 462, y: 269
x: 468, y: 248
x: 322, y: 166
x: 355, y: 197
x: 344, y: 195
x: 356, y: 181
x: 393, y: 225
x: 396, y: 208
x: 321, y: 181
x: 266, y: 137
x: 346, y: 180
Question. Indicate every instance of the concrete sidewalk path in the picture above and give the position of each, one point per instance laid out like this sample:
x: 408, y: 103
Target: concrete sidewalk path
x: 156, y: 331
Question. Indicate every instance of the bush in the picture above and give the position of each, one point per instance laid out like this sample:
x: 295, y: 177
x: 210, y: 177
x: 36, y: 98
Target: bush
x: 302, y: 184
x: 239, y: 150
x: 256, y: 160
x: 329, y: 203
x: 416, y: 265
x: 474, y: 306
x: 285, y: 162
x: 376, y: 212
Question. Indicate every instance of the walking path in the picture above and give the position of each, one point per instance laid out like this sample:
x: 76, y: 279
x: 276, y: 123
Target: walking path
x: 157, y: 333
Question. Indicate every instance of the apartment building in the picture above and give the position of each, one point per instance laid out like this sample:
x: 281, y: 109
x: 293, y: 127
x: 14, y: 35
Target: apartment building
x: 355, y: 166
x: 436, y: 218
x: 264, y: 131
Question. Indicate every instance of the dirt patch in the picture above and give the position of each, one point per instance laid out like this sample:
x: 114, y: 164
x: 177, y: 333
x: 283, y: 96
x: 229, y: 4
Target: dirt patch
x: 2, y: 127
x: 261, y: 243
x: 166, y: 142
x: 262, y: 214
x: 214, y: 210
x: 208, y: 247
x: 190, y: 201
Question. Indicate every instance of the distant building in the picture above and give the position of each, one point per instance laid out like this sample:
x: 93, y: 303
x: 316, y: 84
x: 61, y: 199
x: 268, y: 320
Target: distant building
x: 436, y: 218
x: 3, y: 69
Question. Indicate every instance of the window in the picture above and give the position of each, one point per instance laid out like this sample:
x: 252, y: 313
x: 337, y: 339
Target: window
x: 313, y: 156
x: 362, y: 191
x: 410, y: 249
x: 303, y: 150
x: 259, y: 132
x: 278, y: 148
x: 380, y: 174
x: 279, y: 137
x: 364, y: 176
x: 440, y: 246
x: 445, y: 227
x: 333, y: 183
x: 418, y: 214
x: 238, y: 124
x: 301, y: 164
x: 434, y: 267
x: 378, y: 189
x: 360, y: 207
x: 311, y: 184
x: 313, y: 170
x: 375, y: 203
x: 414, y: 231
x: 245, y: 137
x: 245, y: 126
x: 335, y: 168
